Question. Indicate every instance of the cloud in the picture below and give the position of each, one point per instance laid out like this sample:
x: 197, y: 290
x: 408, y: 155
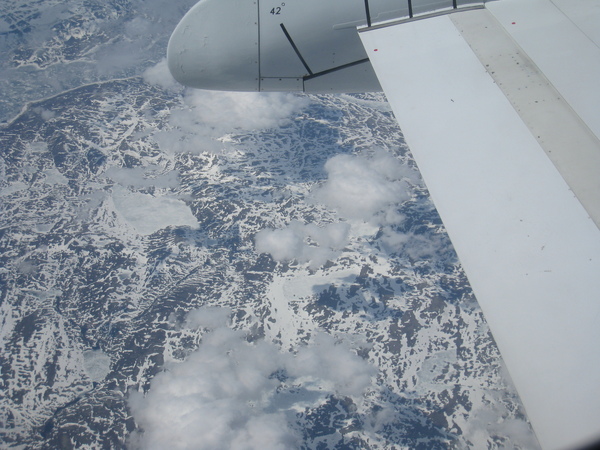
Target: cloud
x: 283, y: 245
x: 367, y: 188
x: 159, y: 75
x: 228, y: 111
x: 331, y: 363
x: 232, y: 394
x: 224, y: 112
x: 45, y: 114
x: 118, y: 57
x: 364, y: 188
x: 207, y: 116
x: 303, y: 243
x: 209, y: 317
x: 214, y: 399
x: 138, y: 28
x: 418, y: 247
x: 491, y: 419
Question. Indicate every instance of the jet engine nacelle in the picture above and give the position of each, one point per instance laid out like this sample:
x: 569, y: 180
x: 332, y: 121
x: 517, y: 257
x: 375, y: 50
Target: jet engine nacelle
x: 282, y: 45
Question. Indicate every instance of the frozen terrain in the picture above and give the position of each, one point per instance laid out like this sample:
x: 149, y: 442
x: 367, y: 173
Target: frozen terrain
x: 265, y: 270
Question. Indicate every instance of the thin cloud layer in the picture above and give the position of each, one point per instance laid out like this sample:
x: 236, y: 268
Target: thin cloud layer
x: 232, y: 394
x: 330, y: 364
x: 303, y: 243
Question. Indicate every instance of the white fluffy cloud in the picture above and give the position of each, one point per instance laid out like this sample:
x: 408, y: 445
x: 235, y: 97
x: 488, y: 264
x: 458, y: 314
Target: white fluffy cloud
x: 303, y: 243
x: 225, y: 394
x: 365, y: 188
x: 208, y: 115
x: 227, y: 111
x: 159, y: 75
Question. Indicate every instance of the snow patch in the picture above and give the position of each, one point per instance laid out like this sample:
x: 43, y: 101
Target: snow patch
x: 53, y: 176
x: 96, y: 364
x: 142, y: 177
x: 17, y: 186
x: 148, y: 214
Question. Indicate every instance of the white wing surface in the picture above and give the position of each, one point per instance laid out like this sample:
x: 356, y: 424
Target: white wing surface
x: 501, y: 109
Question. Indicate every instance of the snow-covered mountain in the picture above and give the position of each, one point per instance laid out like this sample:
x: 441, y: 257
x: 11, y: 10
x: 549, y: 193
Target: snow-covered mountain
x: 217, y: 270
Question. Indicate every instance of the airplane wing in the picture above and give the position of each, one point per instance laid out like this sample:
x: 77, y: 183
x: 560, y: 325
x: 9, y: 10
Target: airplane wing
x: 500, y: 107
